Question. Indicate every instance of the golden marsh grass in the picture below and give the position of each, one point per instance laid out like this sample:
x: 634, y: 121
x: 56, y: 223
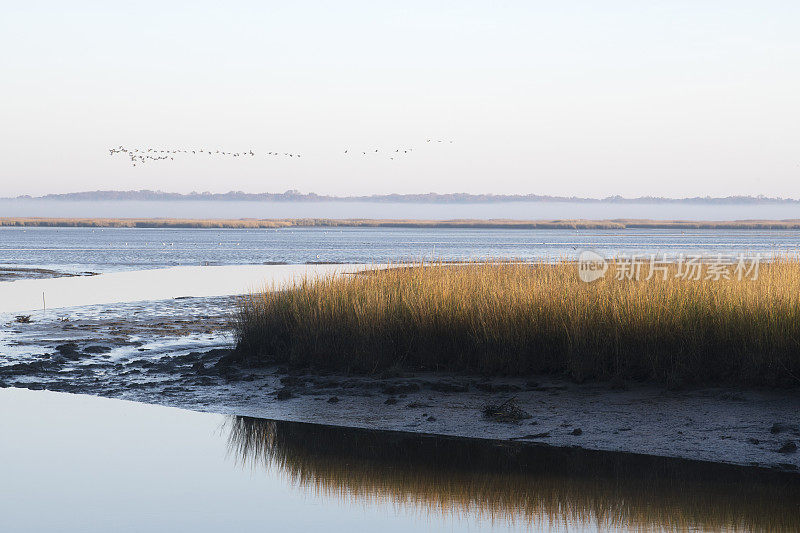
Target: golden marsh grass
x: 519, y: 318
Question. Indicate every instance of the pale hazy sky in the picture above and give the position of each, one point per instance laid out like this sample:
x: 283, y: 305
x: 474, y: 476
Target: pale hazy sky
x: 673, y: 98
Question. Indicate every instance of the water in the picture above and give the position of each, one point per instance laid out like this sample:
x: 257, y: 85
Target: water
x: 112, y: 249
x: 80, y: 463
x: 46, y: 295
x: 404, y: 210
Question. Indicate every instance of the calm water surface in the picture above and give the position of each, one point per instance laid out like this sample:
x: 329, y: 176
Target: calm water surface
x: 80, y: 463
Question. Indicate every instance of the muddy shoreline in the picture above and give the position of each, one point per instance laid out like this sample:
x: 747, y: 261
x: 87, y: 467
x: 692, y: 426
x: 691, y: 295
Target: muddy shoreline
x: 753, y: 428
x: 19, y: 273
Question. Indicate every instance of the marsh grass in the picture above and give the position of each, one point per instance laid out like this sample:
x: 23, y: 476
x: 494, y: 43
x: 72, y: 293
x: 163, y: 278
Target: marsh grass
x: 515, y: 318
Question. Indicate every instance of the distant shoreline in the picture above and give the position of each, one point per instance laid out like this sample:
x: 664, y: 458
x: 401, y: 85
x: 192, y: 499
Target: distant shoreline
x: 252, y: 223
x: 424, y: 198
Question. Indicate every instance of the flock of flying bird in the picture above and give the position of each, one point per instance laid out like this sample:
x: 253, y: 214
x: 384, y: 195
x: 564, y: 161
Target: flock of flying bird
x: 144, y: 155
x: 398, y: 152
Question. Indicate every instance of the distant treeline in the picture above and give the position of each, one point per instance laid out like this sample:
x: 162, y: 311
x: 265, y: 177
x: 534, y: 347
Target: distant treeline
x: 296, y: 196
x: 388, y: 223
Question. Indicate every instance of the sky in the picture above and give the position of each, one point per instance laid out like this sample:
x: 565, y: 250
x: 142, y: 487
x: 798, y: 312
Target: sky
x: 673, y: 98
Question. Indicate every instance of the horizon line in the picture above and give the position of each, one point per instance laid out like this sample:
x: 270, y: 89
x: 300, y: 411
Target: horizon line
x: 429, y: 197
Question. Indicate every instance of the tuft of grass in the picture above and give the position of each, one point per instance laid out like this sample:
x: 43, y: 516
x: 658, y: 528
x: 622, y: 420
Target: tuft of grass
x: 508, y: 411
x: 520, y: 318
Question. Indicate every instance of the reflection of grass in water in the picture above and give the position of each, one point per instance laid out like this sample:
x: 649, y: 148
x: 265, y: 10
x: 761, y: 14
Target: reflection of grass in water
x: 515, y: 318
x: 519, y: 483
